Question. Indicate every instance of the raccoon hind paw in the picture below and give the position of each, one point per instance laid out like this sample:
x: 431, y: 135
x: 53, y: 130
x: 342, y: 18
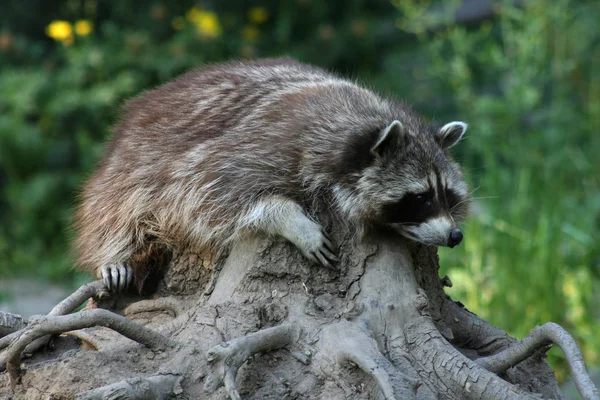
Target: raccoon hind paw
x: 117, y: 277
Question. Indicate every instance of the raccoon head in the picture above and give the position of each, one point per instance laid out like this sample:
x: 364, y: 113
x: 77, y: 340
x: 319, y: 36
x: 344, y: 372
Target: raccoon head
x: 413, y: 186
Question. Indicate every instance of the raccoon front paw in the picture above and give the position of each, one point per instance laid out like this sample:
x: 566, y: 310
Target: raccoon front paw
x: 117, y: 277
x: 318, y: 247
x: 325, y: 253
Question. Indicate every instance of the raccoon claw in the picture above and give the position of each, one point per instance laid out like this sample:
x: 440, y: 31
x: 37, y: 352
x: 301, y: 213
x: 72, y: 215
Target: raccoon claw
x: 328, y: 244
x: 117, y: 277
x: 330, y: 250
x: 325, y: 253
x: 314, y: 243
x: 324, y: 257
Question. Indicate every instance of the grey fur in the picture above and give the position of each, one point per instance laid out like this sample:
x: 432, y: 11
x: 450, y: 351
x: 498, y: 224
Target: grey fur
x: 243, y: 147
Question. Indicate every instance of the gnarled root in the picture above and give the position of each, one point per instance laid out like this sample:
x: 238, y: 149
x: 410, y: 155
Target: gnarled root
x: 492, y: 348
x: 79, y: 297
x: 462, y: 377
x: 155, y: 387
x: 541, y: 338
x: 10, y: 323
x: 67, y: 306
x: 169, y: 305
x: 46, y: 325
x: 400, y: 322
x: 346, y: 342
x: 15, y: 323
x: 226, y: 358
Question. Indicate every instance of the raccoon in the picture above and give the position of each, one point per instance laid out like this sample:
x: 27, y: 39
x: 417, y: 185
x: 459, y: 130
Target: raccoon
x: 246, y: 147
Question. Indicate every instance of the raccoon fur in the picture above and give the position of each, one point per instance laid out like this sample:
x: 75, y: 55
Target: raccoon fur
x: 247, y: 147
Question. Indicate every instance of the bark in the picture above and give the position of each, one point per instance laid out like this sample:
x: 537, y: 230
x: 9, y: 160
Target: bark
x: 259, y: 322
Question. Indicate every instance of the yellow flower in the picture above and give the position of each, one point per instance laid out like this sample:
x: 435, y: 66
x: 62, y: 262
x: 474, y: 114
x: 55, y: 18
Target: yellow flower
x: 193, y: 14
x: 258, y: 15
x: 208, y: 24
x: 250, y: 33
x: 178, y: 23
x: 83, y: 27
x: 60, y: 30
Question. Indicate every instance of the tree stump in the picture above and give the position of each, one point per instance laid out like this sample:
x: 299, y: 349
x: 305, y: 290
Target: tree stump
x: 261, y: 322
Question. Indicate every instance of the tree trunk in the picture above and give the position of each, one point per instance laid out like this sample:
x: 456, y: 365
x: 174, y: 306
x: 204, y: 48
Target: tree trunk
x: 260, y: 322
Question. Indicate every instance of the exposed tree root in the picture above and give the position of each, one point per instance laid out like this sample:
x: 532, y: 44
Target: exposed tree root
x: 539, y: 339
x: 46, y: 325
x: 463, y: 328
x: 79, y: 297
x: 7, y: 340
x: 402, y: 317
x: 226, y: 358
x: 163, y: 304
x: 346, y: 342
x: 88, y: 340
x: 67, y: 306
x: 157, y: 387
x: 473, y: 336
x: 385, y: 312
x: 463, y: 378
x: 10, y: 323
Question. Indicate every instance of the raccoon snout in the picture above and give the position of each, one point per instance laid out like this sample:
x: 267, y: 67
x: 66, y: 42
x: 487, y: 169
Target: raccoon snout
x: 455, y: 238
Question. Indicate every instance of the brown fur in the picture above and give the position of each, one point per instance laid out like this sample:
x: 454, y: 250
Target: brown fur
x: 192, y: 157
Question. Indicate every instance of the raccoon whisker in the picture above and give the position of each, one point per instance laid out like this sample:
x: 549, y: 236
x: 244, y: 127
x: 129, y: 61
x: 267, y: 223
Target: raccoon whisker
x: 411, y: 236
x: 474, y: 198
x: 403, y: 224
x: 475, y: 189
x: 457, y: 204
x: 475, y: 168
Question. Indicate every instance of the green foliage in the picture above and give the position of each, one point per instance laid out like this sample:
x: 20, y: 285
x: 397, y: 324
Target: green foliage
x: 529, y: 85
x: 526, y: 82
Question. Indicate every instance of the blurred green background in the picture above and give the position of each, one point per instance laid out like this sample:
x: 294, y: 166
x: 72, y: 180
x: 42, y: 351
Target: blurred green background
x: 526, y: 79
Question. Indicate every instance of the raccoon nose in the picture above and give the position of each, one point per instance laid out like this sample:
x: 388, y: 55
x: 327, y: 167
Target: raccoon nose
x: 455, y: 238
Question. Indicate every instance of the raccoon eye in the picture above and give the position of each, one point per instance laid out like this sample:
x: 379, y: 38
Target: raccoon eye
x: 424, y: 200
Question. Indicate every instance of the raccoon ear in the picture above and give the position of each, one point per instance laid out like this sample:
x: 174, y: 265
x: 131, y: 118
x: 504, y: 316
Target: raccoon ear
x: 450, y: 134
x: 393, y: 138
